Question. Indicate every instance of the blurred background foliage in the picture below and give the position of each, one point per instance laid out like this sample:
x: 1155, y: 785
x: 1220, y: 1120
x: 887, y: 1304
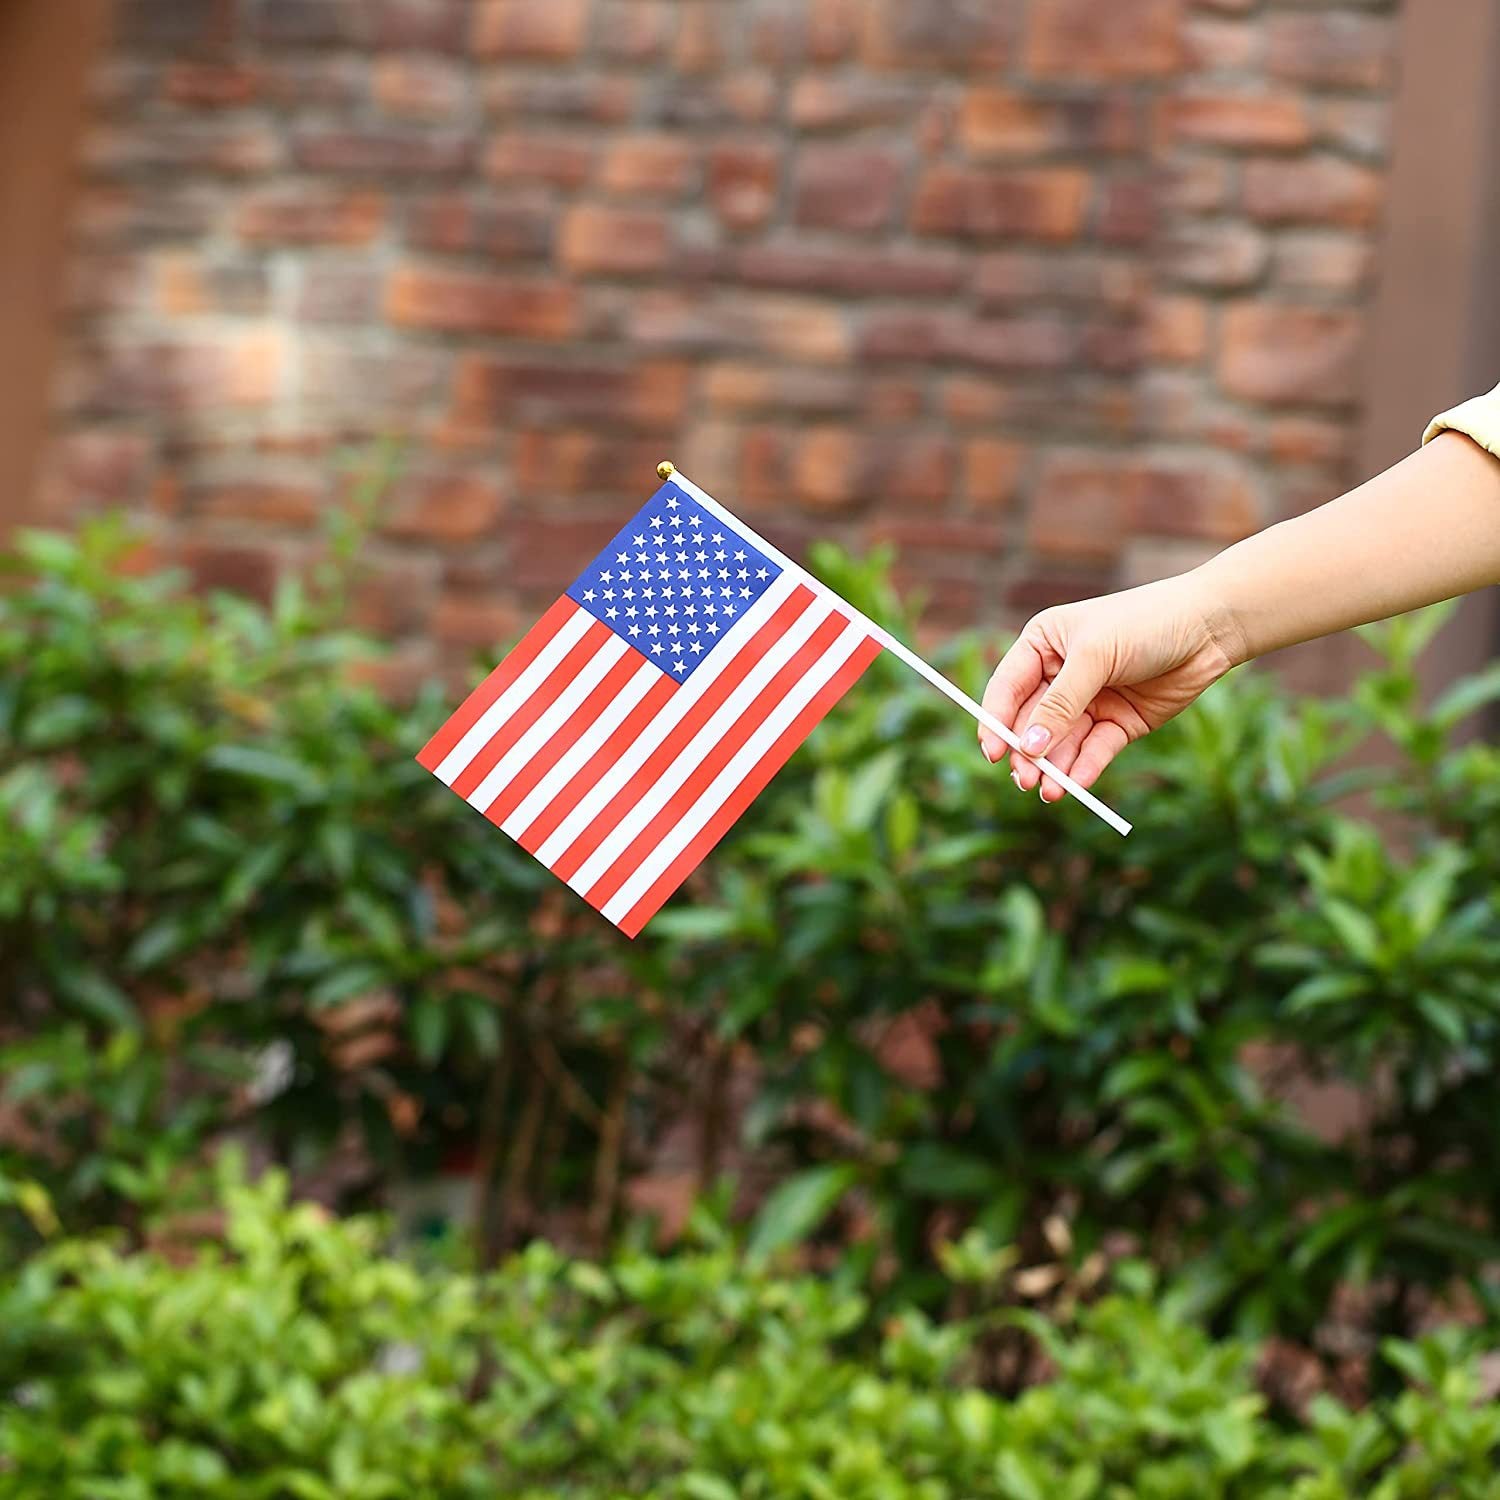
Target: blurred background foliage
x: 905, y: 1024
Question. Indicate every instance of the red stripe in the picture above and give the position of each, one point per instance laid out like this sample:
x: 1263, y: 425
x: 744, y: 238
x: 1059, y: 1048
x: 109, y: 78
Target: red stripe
x: 626, y: 733
x: 438, y: 748
x: 564, y: 738
x: 720, y: 753
x: 750, y: 788
x: 533, y: 707
x: 692, y: 721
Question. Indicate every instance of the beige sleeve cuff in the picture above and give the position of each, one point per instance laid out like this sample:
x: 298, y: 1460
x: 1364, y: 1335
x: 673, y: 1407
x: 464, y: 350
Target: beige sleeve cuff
x: 1478, y: 419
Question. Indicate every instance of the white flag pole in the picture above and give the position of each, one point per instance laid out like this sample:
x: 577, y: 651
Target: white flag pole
x: 898, y: 649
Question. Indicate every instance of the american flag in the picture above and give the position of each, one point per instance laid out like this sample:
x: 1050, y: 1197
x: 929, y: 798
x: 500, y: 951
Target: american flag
x: 645, y: 710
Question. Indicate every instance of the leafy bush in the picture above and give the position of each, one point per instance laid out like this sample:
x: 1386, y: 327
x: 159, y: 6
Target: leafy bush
x: 229, y: 899
x: 299, y: 1361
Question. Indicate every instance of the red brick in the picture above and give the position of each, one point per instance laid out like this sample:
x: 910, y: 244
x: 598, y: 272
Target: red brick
x: 462, y: 302
x: 742, y: 184
x: 795, y: 328
x: 907, y: 470
x: 992, y: 471
x: 545, y: 551
x: 698, y: 46
x: 1243, y: 121
x: 308, y: 80
x: 968, y: 401
x: 1222, y: 256
x: 894, y: 398
x: 394, y: 597
x: 1046, y: 204
x: 847, y: 188
x: 1129, y: 209
x: 1123, y: 39
x: 649, y: 166
x: 1212, y: 45
x: 265, y: 501
x: 1331, y: 50
x: 831, y: 29
x: 1025, y: 343
x: 1176, y: 330
x: 190, y: 285
x: 800, y: 267
x: 421, y: 25
x: 567, y: 98
x: 240, y: 569
x: 511, y: 227
x: 385, y: 152
x: 1360, y: 127
x: 551, y: 30
x: 557, y: 160
x: 1195, y: 184
x: 937, y: 34
x: 1313, y: 190
x: 160, y: 376
x: 1079, y: 508
x: 211, y: 85
x: 649, y: 394
x: 821, y: 102
x: 1114, y: 345
x: 100, y: 466
x: 1021, y: 277
x: 742, y: 387
x: 444, y: 508
x: 1323, y: 262
x: 339, y: 293
x: 1285, y: 354
x: 308, y: 23
x: 1309, y: 442
x: 315, y: 215
x: 419, y: 88
x: 824, y: 468
x: 374, y: 389
x: 551, y: 464
x: 203, y: 146
x: 635, y: 31
x: 614, y: 241
x: 955, y: 539
x: 996, y: 122
x: 720, y: 101
x: 475, y: 621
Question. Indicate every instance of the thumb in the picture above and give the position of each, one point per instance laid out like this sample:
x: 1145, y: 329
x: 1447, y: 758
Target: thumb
x: 1063, y: 704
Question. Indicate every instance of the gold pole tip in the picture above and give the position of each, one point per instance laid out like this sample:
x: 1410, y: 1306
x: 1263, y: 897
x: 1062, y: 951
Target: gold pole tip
x: 666, y: 468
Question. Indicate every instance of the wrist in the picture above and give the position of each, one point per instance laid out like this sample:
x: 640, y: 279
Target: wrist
x: 1211, y: 601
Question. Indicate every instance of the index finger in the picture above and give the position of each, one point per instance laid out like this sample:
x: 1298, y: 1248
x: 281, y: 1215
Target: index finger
x: 1017, y: 677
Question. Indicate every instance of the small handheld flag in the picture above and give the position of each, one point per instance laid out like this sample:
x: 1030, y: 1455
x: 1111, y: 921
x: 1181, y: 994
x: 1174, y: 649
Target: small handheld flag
x: 647, y: 708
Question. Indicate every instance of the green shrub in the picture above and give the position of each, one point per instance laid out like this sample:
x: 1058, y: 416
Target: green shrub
x: 299, y: 1361
x: 217, y: 850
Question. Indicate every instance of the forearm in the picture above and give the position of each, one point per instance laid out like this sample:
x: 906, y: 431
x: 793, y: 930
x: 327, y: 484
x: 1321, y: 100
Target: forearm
x: 1426, y: 529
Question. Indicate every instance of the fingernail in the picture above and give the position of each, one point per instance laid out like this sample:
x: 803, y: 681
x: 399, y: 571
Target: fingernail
x: 1016, y: 782
x: 987, y: 749
x: 1034, y: 741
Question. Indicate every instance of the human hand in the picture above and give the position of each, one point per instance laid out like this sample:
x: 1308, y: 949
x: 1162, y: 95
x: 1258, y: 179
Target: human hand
x: 1084, y: 680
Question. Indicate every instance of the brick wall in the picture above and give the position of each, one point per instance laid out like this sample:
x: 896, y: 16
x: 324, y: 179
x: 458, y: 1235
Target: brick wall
x: 1054, y: 294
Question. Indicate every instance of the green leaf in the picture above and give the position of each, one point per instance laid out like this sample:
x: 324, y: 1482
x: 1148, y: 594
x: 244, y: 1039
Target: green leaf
x: 796, y: 1207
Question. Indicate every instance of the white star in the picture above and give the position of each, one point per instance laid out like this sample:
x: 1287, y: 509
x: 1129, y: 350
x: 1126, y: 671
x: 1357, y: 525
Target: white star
x: 606, y: 577
x: 677, y: 541
x: 723, y: 572
x: 723, y: 593
x: 696, y: 647
x: 716, y: 538
x: 630, y: 612
x: 741, y: 573
x: 648, y: 593
x: 625, y: 576
x: 673, y: 630
x: 710, y: 609
x: 611, y: 614
x: 762, y: 572
x: 720, y: 555
x: 671, y: 502
x: 650, y: 611
x: 664, y: 573
x: 627, y: 593
x: 729, y: 609
x: 744, y: 593
x: 694, y: 521
x: 661, y: 557
x: 682, y: 557
x: 656, y: 521
x: 654, y: 629
x: 638, y: 541
x: 679, y: 666
x: 609, y: 593
x: 635, y: 630
x: 692, y: 609
x: 667, y: 592
x: 739, y: 557
x: 692, y: 630
x: 588, y: 596
x: 713, y: 627
x: 622, y: 557
x: 656, y: 649
x: 641, y: 557
x: 703, y: 572
x: 700, y: 557
x: 670, y: 611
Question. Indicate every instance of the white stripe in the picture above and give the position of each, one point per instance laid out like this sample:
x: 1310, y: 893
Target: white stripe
x: 569, y: 633
x: 687, y: 828
x: 718, y: 725
x: 662, y: 724
x: 548, y: 722
x: 614, y: 714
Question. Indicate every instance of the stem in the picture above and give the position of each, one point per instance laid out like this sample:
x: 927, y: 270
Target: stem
x: 610, y: 1155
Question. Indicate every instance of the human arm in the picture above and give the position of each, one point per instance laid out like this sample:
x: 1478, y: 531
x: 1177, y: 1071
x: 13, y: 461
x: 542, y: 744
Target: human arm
x: 1086, y: 679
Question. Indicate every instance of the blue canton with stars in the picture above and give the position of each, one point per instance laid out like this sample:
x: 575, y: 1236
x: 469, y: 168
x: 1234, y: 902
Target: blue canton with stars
x: 675, y: 582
